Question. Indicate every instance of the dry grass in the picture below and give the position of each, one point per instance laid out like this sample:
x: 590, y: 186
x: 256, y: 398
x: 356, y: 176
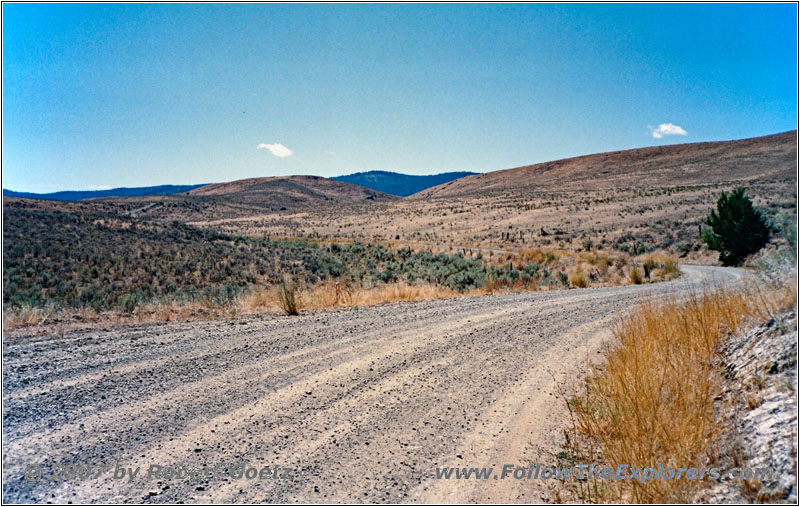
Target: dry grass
x: 577, y: 277
x: 28, y: 316
x: 287, y: 298
x: 635, y: 276
x: 671, y: 268
x: 538, y: 255
x: 338, y: 294
x: 660, y: 265
x: 652, y: 402
x: 595, y: 269
x: 271, y: 300
x: 333, y: 295
x: 58, y: 321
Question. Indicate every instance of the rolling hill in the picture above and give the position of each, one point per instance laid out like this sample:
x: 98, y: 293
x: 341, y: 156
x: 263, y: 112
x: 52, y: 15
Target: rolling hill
x: 249, y: 197
x: 654, y: 198
x: 289, y: 192
x: 234, y: 199
x: 401, y: 185
x: 772, y: 156
x: 395, y: 184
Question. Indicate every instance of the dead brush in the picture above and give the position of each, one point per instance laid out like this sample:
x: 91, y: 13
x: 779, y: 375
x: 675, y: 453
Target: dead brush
x: 652, y: 402
x: 491, y: 285
x: 287, y: 298
x: 671, y: 269
x: 259, y: 298
x: 599, y: 259
x: 635, y: 276
x: 401, y: 291
x: 577, y: 277
x: 343, y: 293
x: 329, y: 294
x: 332, y: 295
x: 661, y: 265
x: 28, y: 316
x: 536, y: 255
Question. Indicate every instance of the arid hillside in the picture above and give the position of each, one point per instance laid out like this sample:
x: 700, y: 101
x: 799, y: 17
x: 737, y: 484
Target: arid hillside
x: 632, y: 201
x: 767, y: 157
x: 648, y: 198
x: 249, y: 197
x: 290, y: 191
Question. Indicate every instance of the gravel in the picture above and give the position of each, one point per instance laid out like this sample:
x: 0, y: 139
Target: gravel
x: 362, y: 404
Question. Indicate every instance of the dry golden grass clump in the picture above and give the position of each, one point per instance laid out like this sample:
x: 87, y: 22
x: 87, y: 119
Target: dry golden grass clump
x: 660, y: 265
x: 652, y: 402
x: 635, y: 276
x: 287, y: 297
x: 537, y: 255
x: 577, y: 277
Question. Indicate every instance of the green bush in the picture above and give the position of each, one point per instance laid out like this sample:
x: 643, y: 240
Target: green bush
x: 128, y: 302
x: 737, y: 228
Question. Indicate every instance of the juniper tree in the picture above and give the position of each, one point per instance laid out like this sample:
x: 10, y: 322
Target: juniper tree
x: 737, y: 228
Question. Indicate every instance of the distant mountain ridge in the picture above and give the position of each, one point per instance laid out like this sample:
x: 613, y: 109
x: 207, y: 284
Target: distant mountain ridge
x: 401, y: 185
x: 77, y: 195
x: 387, y: 182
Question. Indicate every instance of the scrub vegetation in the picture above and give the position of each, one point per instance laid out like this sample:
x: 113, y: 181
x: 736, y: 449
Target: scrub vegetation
x: 56, y: 262
x: 652, y: 400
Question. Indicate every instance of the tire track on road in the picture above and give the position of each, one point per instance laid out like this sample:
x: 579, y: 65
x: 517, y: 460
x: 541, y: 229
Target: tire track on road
x: 363, y: 404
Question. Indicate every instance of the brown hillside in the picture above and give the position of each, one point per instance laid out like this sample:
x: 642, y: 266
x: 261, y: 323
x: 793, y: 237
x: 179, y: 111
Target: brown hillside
x: 290, y: 191
x: 252, y: 196
x: 772, y: 156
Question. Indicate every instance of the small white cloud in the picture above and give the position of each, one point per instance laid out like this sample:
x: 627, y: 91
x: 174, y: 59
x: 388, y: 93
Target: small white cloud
x: 276, y: 149
x: 98, y: 187
x: 667, y: 129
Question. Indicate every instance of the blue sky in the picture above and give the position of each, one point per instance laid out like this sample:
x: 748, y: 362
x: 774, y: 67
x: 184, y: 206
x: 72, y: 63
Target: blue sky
x: 98, y: 96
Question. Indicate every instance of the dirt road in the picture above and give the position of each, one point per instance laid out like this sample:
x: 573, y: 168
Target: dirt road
x: 361, y: 404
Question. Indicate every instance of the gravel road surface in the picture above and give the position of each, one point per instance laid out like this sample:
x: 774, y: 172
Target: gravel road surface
x: 361, y: 404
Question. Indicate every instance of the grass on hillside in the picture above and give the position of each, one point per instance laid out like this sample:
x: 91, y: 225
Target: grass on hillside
x: 652, y: 401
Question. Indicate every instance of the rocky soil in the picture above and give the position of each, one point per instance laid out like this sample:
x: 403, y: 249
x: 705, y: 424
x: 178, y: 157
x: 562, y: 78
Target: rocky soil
x: 759, y: 405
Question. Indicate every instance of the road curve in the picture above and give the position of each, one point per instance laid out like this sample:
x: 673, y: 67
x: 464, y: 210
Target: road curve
x: 361, y: 404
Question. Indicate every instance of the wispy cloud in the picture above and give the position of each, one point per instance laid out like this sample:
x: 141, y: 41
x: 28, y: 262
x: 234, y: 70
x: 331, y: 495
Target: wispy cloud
x: 667, y: 129
x: 276, y: 149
